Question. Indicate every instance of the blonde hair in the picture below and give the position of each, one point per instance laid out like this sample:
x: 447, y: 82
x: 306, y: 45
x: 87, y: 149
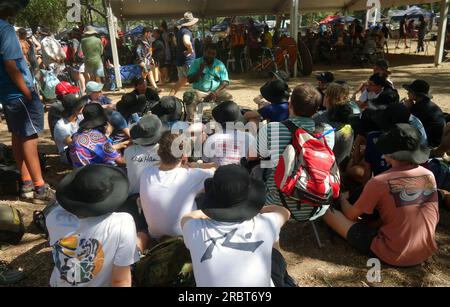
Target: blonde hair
x: 337, y: 93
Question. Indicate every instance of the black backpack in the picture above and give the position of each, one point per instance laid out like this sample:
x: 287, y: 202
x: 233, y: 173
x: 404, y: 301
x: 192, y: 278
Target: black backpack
x: 12, y: 227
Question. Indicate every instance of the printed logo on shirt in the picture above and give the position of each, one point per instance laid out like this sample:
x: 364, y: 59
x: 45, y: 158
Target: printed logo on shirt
x: 144, y: 159
x: 413, y: 191
x: 78, y: 260
x: 245, y: 246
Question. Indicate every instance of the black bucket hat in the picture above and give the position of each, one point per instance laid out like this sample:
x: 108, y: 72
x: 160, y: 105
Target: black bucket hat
x: 228, y: 112
x: 326, y: 77
x: 402, y: 143
x: 168, y: 109
x: 93, y: 190
x: 419, y: 87
x: 232, y: 196
x: 384, y: 64
x: 94, y: 116
x: 147, y: 131
x: 394, y: 113
x: 386, y: 97
x: 72, y: 103
x: 275, y: 91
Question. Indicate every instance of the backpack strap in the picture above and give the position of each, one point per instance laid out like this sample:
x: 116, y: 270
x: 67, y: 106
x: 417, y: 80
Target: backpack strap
x: 291, y: 126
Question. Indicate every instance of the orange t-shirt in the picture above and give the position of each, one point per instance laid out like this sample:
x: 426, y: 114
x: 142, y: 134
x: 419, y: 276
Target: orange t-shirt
x: 407, y: 201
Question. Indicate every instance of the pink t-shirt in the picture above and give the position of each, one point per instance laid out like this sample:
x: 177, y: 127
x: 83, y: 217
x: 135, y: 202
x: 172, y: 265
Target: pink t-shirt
x: 407, y: 201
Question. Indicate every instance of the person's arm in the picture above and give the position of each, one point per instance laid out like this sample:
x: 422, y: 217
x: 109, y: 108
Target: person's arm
x: 187, y: 43
x: 194, y: 215
x: 68, y: 140
x: 252, y: 115
x: 194, y: 74
x: 286, y: 215
x: 351, y: 212
x: 17, y: 78
x: 121, y: 276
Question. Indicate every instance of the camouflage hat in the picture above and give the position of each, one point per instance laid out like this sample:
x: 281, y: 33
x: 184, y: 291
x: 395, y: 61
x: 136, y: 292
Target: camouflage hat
x: 189, y: 97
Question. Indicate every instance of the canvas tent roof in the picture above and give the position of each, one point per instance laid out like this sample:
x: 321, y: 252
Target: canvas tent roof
x: 140, y: 9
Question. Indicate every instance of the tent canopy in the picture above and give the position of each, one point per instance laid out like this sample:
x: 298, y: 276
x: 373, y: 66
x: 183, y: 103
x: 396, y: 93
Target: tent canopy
x: 144, y: 9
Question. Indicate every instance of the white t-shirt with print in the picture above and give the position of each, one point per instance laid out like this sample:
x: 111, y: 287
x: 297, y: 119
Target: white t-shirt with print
x: 229, y: 147
x: 64, y: 129
x: 233, y: 254
x: 85, y: 250
x: 139, y: 158
x: 166, y: 196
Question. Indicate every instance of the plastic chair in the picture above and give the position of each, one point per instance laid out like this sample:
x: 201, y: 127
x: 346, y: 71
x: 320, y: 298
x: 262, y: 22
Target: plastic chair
x: 231, y: 60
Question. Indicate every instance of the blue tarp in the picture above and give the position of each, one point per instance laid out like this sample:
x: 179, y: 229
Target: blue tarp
x: 136, y: 31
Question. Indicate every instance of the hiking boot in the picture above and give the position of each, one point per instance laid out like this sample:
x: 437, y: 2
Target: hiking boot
x: 9, y: 277
x: 43, y: 195
x: 27, y: 192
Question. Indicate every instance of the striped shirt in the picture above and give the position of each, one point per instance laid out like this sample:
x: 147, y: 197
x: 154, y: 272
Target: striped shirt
x: 272, y: 141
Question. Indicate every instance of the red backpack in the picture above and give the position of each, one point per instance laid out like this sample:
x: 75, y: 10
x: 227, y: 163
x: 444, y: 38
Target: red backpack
x: 307, y: 171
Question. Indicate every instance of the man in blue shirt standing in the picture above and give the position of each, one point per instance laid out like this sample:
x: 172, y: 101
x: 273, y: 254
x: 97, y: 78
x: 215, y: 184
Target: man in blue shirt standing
x: 185, y: 50
x: 23, y: 109
x: 209, y: 77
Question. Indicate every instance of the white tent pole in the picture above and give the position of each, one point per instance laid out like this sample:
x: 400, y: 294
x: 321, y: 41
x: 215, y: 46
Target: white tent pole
x: 294, y: 28
x: 441, y: 33
x: 112, y: 37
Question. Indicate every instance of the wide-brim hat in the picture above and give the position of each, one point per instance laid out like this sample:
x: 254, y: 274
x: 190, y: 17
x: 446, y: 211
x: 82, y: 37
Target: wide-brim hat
x: 228, y: 112
x: 147, y: 131
x: 90, y: 30
x: 419, y: 87
x: 394, y: 113
x: 72, y: 103
x: 188, y: 20
x: 93, y: 87
x: 94, y: 116
x: 280, y: 75
x: 232, y: 196
x: 275, y: 91
x: 169, y: 109
x: 93, y: 190
x: 403, y: 143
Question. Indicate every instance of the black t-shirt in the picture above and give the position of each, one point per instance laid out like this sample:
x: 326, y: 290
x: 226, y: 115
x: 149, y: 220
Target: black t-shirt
x: 432, y: 118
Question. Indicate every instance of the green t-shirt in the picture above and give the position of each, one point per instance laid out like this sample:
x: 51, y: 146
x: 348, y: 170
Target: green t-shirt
x: 213, y: 76
x: 92, y: 49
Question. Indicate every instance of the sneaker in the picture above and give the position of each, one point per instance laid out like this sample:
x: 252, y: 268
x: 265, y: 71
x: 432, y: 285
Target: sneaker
x: 44, y: 196
x: 9, y: 277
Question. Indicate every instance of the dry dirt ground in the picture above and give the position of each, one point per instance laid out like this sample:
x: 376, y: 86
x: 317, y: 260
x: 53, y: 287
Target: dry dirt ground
x: 335, y: 264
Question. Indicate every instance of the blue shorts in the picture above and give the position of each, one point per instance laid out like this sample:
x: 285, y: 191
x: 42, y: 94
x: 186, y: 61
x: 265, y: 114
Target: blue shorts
x: 24, y: 118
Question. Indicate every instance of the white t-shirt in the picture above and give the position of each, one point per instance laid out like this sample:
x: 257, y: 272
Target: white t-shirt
x: 138, y: 158
x: 229, y: 147
x: 85, y: 250
x: 367, y: 96
x: 233, y: 254
x: 64, y: 129
x: 166, y: 196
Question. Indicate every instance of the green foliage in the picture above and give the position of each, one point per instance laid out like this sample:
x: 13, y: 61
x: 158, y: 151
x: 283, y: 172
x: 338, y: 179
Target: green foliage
x: 48, y: 13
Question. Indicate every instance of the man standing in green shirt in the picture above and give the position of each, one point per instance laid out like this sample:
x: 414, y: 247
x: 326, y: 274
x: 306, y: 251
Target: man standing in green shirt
x: 92, y: 49
x: 209, y: 77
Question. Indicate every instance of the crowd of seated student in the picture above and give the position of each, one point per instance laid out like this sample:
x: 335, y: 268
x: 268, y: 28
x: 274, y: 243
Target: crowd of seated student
x: 381, y: 144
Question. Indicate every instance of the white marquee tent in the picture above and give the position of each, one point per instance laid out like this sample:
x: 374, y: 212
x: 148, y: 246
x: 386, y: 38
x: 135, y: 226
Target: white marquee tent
x: 147, y: 9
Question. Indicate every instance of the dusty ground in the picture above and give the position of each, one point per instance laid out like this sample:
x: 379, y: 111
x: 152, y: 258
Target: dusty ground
x: 336, y: 264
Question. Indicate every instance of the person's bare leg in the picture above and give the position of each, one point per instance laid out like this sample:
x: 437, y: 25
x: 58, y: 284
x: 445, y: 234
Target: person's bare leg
x: 164, y: 74
x: 82, y: 83
x: 31, y: 157
x: 181, y: 82
x: 151, y: 80
x: 17, y: 148
x: 338, y: 222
